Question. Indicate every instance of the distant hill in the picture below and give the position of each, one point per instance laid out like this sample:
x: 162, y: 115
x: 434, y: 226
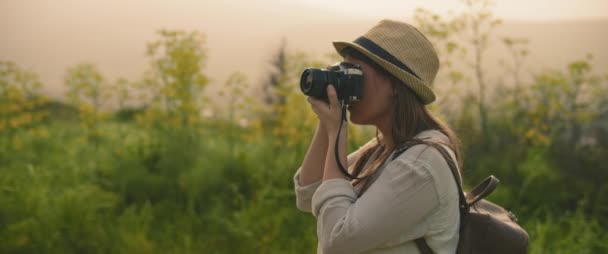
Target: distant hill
x: 242, y: 36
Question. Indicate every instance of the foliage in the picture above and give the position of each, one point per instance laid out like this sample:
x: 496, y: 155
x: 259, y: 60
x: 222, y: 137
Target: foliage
x: 175, y: 81
x: 86, y: 93
x: 20, y: 102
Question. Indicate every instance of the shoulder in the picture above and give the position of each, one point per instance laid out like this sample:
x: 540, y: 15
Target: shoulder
x: 429, y: 162
x: 424, y: 152
x: 416, y: 164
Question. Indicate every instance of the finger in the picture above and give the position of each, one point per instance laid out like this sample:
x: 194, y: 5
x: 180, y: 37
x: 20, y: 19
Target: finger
x: 316, y: 105
x: 314, y: 101
x: 333, y: 98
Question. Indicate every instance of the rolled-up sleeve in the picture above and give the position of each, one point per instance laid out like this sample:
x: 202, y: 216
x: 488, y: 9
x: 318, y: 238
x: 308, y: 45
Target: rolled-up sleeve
x: 402, y: 196
x: 304, y: 193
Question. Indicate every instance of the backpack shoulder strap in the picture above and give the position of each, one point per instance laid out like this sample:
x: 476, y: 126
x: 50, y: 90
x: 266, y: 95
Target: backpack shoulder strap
x: 423, y: 247
x: 463, y: 205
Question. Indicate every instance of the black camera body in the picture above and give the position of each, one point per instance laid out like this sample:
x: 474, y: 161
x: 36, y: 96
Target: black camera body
x: 346, y: 78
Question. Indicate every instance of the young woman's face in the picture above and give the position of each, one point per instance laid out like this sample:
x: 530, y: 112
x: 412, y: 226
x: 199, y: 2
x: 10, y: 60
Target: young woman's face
x: 378, y: 97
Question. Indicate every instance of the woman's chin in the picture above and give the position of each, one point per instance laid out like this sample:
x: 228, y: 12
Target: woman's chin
x: 354, y: 119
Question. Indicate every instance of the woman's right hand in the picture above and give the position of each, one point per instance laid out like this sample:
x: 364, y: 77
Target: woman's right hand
x: 329, y: 114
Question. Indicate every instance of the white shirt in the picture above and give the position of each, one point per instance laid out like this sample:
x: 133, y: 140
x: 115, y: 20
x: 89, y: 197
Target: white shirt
x: 413, y: 195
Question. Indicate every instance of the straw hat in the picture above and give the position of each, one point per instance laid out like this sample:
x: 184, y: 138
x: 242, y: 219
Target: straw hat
x: 402, y: 50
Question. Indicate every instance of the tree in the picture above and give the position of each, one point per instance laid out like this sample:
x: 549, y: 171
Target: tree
x: 87, y: 91
x: 277, y: 77
x: 469, y: 30
x: 20, y: 102
x: 121, y: 92
x: 86, y: 86
x: 235, y: 92
x: 176, y: 79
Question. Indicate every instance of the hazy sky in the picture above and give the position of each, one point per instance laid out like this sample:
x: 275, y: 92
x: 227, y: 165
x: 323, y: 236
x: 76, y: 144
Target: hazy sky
x: 507, y: 9
x: 48, y: 36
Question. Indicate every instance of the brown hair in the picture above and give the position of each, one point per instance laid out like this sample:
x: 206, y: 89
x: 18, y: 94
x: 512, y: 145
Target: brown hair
x: 411, y: 117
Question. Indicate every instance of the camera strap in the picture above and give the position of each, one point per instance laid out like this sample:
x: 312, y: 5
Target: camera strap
x: 337, y: 146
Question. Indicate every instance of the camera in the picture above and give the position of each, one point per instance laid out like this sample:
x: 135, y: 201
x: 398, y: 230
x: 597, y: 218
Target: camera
x: 347, y: 79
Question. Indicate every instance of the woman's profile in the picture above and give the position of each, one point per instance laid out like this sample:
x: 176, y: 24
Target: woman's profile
x: 391, y: 202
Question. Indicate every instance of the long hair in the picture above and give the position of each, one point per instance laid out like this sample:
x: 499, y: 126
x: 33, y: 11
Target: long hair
x: 410, y: 118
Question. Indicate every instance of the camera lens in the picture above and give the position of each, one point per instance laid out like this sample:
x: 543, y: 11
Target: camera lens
x: 306, y: 82
x: 313, y: 83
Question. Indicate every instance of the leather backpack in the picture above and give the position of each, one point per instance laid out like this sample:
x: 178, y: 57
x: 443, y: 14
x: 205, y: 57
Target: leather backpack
x: 484, y: 226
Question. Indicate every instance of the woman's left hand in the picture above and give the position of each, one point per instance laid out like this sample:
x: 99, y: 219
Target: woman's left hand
x: 330, y: 113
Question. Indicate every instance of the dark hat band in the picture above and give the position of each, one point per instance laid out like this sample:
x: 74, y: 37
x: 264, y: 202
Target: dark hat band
x: 379, y: 51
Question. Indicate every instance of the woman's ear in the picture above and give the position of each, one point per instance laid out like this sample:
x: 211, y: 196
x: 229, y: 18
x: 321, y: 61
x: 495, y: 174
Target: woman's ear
x: 394, y: 88
x: 390, y: 81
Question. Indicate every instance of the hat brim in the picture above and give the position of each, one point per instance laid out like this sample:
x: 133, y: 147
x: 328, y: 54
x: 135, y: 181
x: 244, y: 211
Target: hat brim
x: 424, y: 92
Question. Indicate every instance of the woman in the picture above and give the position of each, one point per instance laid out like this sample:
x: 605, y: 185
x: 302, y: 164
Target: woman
x: 396, y: 201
